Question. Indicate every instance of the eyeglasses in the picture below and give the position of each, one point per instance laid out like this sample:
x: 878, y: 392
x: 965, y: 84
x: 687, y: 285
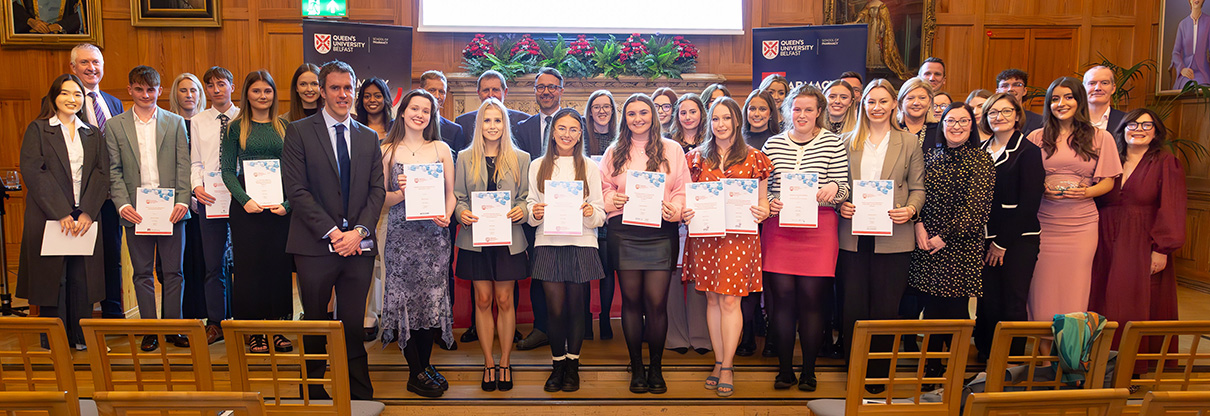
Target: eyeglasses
x: 958, y: 122
x: 940, y: 106
x: 547, y: 88
x: 664, y: 107
x: 601, y: 107
x: 1006, y: 113
x: 575, y: 131
x: 1012, y: 85
x: 1144, y: 126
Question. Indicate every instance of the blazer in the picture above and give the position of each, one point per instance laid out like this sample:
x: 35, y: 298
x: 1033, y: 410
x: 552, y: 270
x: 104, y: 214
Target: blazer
x: 464, y: 185
x: 1033, y: 121
x: 49, y: 195
x: 905, y: 165
x: 1018, y: 192
x: 311, y: 177
x: 529, y: 136
x: 467, y: 121
x: 1115, y: 119
x: 172, y: 152
x: 453, y: 135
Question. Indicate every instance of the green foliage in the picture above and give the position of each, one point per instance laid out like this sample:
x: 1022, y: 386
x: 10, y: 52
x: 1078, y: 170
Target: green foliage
x: 663, y: 59
x: 1164, y: 105
x: 660, y: 62
x: 502, y: 60
x: 606, y: 57
x: 557, y: 56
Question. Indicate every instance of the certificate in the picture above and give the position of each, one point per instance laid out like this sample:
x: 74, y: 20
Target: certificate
x: 493, y: 228
x: 741, y: 196
x: 645, y: 191
x: 874, y: 200
x: 709, y: 209
x: 262, y: 181
x: 155, y: 206
x: 55, y: 243
x: 424, y: 197
x: 563, y: 214
x: 214, y: 185
x: 799, y: 209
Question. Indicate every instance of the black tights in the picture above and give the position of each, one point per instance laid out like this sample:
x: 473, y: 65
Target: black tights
x: 566, y: 329
x: 645, y: 291
x: 803, y: 305
x: 936, y: 307
x: 419, y: 349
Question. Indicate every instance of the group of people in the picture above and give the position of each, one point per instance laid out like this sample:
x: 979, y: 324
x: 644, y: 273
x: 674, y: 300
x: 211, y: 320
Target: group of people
x: 1075, y: 209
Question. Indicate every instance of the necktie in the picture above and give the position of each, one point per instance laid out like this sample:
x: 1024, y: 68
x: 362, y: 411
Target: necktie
x: 342, y: 159
x: 545, y: 135
x: 224, y: 120
x: 96, y: 109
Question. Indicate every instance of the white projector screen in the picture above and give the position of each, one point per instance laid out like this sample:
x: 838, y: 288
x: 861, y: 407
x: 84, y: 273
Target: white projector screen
x: 701, y: 17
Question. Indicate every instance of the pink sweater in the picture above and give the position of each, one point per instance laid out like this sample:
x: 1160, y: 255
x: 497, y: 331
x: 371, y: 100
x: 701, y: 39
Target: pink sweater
x: 677, y: 170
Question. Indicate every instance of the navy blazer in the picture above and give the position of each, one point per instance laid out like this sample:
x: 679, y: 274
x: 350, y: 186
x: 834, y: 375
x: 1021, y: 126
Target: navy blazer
x: 1115, y: 119
x: 467, y: 121
x: 529, y: 136
x: 452, y: 134
x: 1033, y: 121
x: 1018, y: 192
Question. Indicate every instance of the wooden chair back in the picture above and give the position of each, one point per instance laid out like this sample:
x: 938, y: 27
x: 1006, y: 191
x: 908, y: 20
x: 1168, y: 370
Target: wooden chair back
x: 1172, y: 403
x: 118, y: 363
x: 31, y: 403
x: 25, y: 366
x: 281, y: 377
x: 1167, y: 370
x: 1034, y: 333
x: 170, y: 403
x: 1083, y: 402
x: 954, y: 360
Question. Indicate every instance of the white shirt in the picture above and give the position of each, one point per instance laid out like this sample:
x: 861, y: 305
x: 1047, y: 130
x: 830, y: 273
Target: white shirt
x: 149, y: 161
x: 565, y: 170
x: 1103, y: 122
x: 88, y: 102
x: 872, y: 158
x: 331, y: 123
x: 206, y: 136
x: 75, y: 152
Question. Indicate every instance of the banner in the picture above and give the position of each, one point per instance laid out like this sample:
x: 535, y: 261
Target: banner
x: 808, y: 54
x: 372, y: 50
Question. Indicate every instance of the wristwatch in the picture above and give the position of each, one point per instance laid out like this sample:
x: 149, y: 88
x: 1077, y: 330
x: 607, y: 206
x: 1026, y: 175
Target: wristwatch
x: 362, y: 231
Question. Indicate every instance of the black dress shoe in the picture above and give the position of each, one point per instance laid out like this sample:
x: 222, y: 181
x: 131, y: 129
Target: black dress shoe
x: 745, y: 350
x: 425, y: 386
x: 784, y: 380
x: 571, y: 375
x: 701, y: 351
x: 555, y: 381
x: 501, y: 383
x: 470, y: 335
x: 769, y: 351
x: 807, y: 382
x: 680, y: 350
x: 655, y: 380
x: 453, y: 345
x: 489, y: 372
x: 150, y: 343
x: 516, y: 336
x: 875, y: 388
x: 605, y: 327
x: 180, y: 341
x: 371, y: 334
x: 534, y: 340
x: 638, y: 379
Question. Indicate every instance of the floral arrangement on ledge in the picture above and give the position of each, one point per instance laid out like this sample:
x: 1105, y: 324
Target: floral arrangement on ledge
x: 652, y: 57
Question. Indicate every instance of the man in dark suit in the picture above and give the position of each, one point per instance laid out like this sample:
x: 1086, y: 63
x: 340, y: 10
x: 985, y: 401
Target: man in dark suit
x: 1013, y: 81
x: 332, y: 172
x: 435, y: 83
x: 548, y: 91
x: 88, y: 64
x: 1100, y: 84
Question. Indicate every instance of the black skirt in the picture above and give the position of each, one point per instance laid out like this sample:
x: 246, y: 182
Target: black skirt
x: 633, y: 247
x: 493, y: 264
x: 567, y: 264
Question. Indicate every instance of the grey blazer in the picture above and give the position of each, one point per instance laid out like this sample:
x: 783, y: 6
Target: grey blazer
x: 464, y: 185
x: 172, y: 152
x: 905, y: 165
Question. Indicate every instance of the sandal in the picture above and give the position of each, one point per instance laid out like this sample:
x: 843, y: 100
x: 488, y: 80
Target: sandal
x: 282, y: 344
x: 730, y: 388
x: 712, y: 381
x: 257, y: 344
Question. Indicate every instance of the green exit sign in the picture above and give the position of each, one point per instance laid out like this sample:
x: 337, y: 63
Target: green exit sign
x: 325, y: 8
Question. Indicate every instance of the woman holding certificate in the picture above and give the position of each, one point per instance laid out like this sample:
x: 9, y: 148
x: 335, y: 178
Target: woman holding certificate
x: 1081, y: 163
x: 643, y: 177
x: 799, y: 244
x: 727, y: 267
x: 491, y: 183
x: 419, y: 167
x: 65, y: 165
x: 566, y: 207
x: 262, y: 287
x: 875, y: 231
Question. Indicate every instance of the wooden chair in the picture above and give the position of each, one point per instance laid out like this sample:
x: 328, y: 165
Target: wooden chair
x: 197, y: 403
x: 282, y: 377
x: 1189, y: 403
x: 1084, y: 402
x: 955, y: 360
x: 1000, y: 359
x: 119, y: 364
x: 53, y: 403
x: 25, y: 366
x: 1171, y: 370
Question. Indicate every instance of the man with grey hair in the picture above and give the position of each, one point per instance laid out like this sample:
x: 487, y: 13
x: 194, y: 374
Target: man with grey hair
x: 1100, y: 83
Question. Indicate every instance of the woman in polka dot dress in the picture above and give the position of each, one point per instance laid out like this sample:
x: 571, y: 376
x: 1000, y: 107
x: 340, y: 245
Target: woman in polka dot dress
x: 726, y: 268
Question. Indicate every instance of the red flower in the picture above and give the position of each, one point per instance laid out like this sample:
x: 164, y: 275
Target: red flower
x: 526, y: 46
x: 478, y: 47
x: 686, y: 51
x: 633, y: 48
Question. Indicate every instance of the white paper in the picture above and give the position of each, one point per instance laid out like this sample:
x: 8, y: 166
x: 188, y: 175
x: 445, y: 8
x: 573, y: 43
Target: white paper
x: 262, y: 181
x: 55, y: 243
x: 709, y: 209
x: 874, y: 201
x: 221, y: 208
x: 155, y: 206
x: 424, y: 197
x: 799, y: 209
x: 563, y: 213
x: 741, y: 195
x: 645, y: 191
x: 493, y: 228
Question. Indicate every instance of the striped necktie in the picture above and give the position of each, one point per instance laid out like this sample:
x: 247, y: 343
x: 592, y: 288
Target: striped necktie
x: 96, y: 109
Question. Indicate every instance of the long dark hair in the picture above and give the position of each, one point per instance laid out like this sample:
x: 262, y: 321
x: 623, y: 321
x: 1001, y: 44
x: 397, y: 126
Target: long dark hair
x: 1157, y: 142
x: 296, y: 109
x: 621, y: 145
x: 774, y: 123
x: 431, y: 132
x: 1082, y: 131
x: 546, y: 167
x: 972, y: 137
x: 49, y: 109
x: 678, y: 131
x: 739, y: 148
x: 613, y: 118
x: 363, y: 116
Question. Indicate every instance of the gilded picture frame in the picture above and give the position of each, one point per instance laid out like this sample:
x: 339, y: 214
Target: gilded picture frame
x: 176, y: 13
x: 1176, y: 42
x: 72, y: 22
x: 913, y: 22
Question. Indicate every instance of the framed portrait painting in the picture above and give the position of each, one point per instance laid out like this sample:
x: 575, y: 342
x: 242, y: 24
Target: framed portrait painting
x: 175, y: 13
x: 1184, y: 49
x: 909, y: 25
x: 50, y: 23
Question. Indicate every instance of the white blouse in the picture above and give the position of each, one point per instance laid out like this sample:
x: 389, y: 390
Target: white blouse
x: 872, y: 158
x: 75, y: 152
x: 565, y: 170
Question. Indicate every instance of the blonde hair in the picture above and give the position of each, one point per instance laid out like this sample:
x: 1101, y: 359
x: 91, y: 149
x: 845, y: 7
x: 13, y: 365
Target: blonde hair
x: 175, y: 106
x: 857, y: 137
x: 506, y: 157
x: 912, y: 85
x: 850, y: 114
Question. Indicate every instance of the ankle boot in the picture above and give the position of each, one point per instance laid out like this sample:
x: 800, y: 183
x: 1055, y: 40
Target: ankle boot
x: 571, y: 375
x: 638, y: 377
x: 655, y: 379
x: 555, y: 381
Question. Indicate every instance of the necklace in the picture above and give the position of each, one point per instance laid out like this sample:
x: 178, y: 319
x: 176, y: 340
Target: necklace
x: 410, y: 148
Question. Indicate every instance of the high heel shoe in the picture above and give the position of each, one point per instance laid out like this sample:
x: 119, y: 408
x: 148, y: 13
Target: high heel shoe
x: 638, y: 378
x: 501, y: 383
x: 489, y: 372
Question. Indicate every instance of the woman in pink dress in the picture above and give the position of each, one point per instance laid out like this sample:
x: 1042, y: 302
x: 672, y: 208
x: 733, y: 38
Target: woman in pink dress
x: 1081, y: 162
